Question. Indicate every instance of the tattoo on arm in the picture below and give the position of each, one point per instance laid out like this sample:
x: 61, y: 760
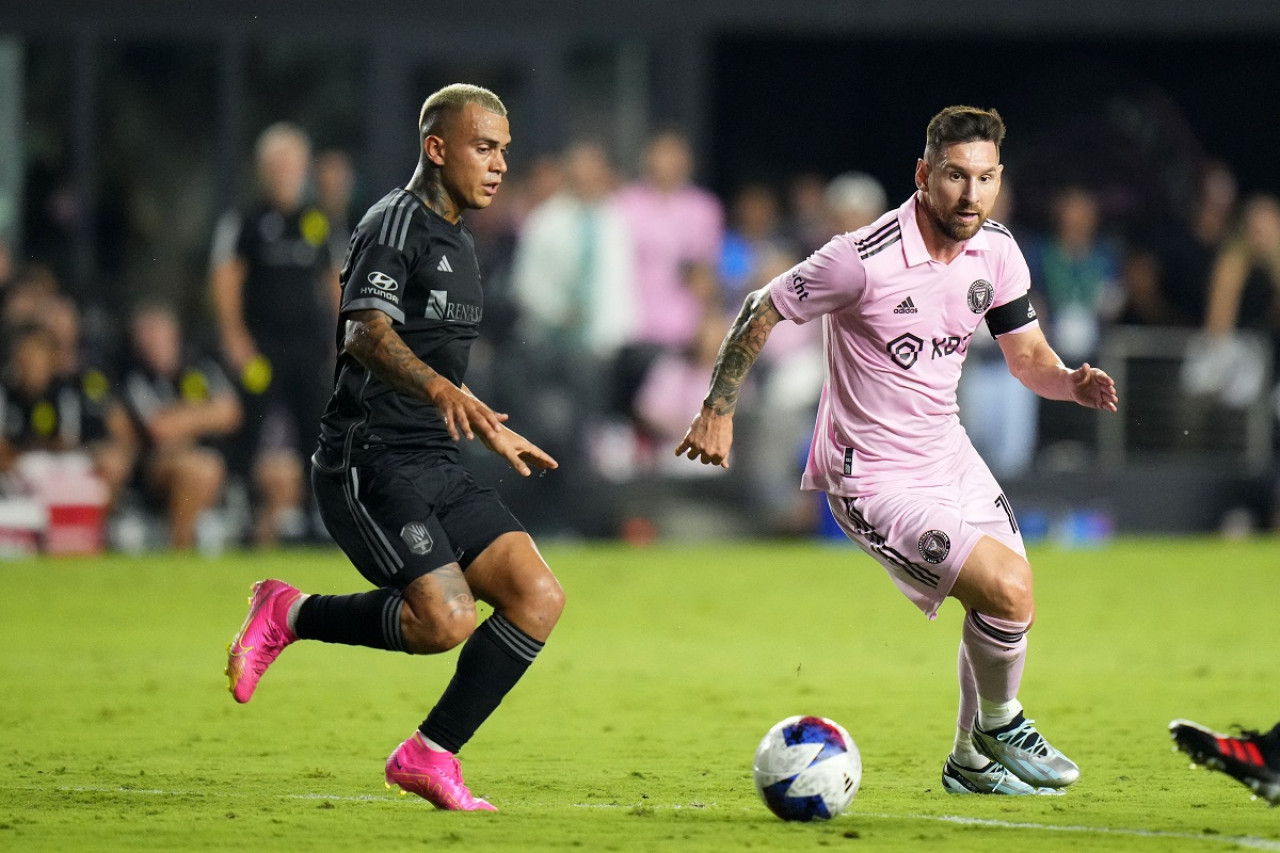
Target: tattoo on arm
x: 740, y: 350
x: 372, y: 341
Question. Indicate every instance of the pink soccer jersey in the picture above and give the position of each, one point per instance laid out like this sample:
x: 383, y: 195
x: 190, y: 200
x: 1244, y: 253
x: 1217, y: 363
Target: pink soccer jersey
x: 896, y: 328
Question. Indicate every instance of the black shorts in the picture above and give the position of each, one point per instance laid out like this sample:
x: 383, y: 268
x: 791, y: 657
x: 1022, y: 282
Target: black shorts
x: 406, y: 515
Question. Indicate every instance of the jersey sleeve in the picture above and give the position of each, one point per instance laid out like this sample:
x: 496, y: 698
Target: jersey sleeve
x: 376, y: 276
x: 830, y: 279
x: 1011, y: 309
x: 228, y: 239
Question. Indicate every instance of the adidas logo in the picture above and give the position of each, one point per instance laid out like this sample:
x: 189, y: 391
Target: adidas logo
x: 906, y: 306
x: 443, y: 266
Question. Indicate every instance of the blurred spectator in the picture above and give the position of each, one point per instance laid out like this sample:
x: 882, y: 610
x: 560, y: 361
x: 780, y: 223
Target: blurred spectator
x: 574, y: 285
x: 104, y: 429
x: 1166, y: 275
x: 676, y: 231
x: 755, y: 231
x: 1244, y: 289
x: 27, y: 294
x: 181, y: 406
x: 808, y: 221
x: 335, y: 182
x: 573, y: 276
x: 1244, y: 293
x: 37, y: 412
x: 1077, y: 270
x: 275, y: 294
x: 854, y: 199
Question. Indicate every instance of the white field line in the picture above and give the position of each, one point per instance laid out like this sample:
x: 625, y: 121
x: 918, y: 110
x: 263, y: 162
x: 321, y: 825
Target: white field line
x: 960, y: 820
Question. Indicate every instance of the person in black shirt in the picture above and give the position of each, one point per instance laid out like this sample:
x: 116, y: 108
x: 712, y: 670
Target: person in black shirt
x: 274, y: 294
x: 183, y: 406
x: 387, y: 475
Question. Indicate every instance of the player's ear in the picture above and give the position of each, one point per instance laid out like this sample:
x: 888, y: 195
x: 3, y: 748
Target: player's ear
x: 922, y: 173
x: 433, y: 149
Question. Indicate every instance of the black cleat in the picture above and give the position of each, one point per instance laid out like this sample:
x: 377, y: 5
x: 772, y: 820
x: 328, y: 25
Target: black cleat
x: 1252, y: 759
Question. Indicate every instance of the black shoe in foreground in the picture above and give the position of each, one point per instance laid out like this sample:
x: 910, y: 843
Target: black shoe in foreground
x: 1251, y: 758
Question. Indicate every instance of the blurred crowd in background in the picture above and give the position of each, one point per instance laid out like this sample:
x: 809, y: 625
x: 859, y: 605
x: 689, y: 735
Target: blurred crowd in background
x: 609, y: 287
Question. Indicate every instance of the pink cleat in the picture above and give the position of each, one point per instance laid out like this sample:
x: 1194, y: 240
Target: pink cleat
x: 434, y: 776
x: 261, y: 638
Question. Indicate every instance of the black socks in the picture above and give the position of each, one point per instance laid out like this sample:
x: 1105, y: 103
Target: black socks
x: 490, y: 664
x: 365, y: 619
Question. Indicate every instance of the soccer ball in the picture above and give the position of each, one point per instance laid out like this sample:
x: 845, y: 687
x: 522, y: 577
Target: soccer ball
x: 807, y: 768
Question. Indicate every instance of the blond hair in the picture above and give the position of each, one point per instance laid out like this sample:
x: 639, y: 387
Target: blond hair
x: 451, y: 100
x: 281, y: 131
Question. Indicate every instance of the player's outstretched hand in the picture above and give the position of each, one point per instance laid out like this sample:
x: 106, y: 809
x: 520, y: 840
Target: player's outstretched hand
x: 709, y: 438
x: 1094, y: 389
x: 463, y: 414
x: 522, y: 453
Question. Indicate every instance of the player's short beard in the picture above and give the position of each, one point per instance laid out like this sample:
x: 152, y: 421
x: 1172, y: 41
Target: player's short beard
x: 951, y: 229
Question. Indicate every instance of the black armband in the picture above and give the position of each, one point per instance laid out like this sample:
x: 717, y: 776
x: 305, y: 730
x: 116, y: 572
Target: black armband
x: 1010, y: 316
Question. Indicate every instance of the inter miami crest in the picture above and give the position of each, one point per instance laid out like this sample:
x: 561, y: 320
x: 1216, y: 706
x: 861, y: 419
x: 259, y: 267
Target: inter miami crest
x: 935, y: 546
x: 981, y: 294
x: 417, y: 537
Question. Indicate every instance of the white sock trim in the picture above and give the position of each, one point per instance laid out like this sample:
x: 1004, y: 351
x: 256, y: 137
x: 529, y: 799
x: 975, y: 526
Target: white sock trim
x: 429, y: 743
x: 993, y: 715
x: 965, y: 754
x: 291, y: 618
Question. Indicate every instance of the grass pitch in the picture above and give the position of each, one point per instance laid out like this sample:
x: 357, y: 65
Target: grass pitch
x: 635, y: 729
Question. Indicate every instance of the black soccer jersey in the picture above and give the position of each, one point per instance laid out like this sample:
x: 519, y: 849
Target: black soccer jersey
x: 285, y: 256
x: 51, y: 419
x: 420, y: 270
x: 147, y: 392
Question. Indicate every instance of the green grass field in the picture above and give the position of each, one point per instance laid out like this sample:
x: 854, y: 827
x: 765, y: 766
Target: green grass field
x: 636, y: 728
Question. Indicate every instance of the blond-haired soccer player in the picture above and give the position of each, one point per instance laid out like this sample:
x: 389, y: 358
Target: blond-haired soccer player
x: 387, y: 475
x: 899, y: 301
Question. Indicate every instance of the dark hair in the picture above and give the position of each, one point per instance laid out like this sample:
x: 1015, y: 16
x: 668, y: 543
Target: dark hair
x: 962, y: 124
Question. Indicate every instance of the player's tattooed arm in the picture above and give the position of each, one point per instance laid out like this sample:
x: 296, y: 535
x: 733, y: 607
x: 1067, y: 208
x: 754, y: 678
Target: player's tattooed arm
x: 741, y: 348
x: 370, y: 338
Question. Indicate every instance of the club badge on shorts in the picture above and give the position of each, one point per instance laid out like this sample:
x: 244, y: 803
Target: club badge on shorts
x: 935, y: 546
x: 417, y: 537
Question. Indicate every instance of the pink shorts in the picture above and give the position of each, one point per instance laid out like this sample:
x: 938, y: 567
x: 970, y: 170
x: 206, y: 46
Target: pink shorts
x: 922, y: 535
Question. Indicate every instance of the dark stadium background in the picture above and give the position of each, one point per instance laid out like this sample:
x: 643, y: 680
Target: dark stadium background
x: 1132, y: 112
x: 136, y: 120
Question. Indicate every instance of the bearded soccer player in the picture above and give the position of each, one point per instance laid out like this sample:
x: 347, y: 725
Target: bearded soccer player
x: 387, y: 476
x: 899, y: 301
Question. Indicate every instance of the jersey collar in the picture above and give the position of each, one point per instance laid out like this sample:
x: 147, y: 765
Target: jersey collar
x: 913, y: 248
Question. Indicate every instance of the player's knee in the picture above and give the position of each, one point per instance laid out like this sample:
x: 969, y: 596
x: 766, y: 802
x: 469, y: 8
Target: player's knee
x: 548, y: 597
x: 1009, y: 593
x: 441, y: 632
x: 536, y: 604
